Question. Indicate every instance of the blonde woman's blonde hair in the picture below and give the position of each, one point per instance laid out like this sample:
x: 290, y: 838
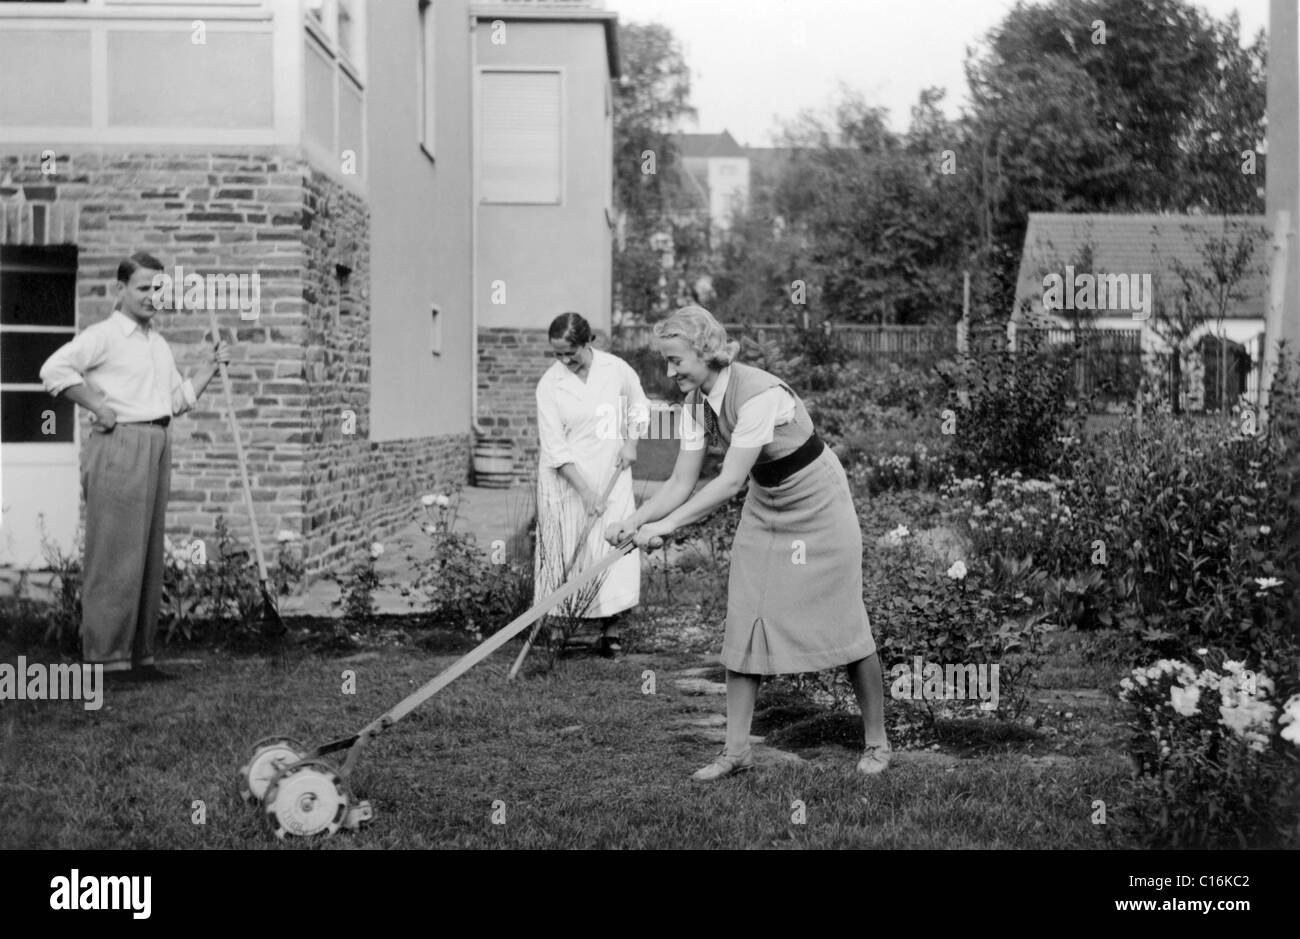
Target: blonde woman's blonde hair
x: 696, y: 326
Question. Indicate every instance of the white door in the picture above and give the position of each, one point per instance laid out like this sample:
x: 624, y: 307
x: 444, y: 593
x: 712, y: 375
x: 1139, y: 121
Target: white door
x: 40, y: 491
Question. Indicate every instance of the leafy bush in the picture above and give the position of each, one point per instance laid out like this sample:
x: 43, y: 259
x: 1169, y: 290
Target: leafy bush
x: 1215, y: 763
x: 920, y: 468
x: 456, y: 583
x: 63, y: 617
x: 1015, y: 516
x: 1193, y: 521
x: 957, y: 618
x: 357, y: 593
x: 1019, y: 409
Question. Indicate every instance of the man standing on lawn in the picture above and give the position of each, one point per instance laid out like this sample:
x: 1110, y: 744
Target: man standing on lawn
x: 122, y: 371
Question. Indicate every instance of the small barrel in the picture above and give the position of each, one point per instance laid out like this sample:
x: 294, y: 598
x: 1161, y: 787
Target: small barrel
x: 494, y: 464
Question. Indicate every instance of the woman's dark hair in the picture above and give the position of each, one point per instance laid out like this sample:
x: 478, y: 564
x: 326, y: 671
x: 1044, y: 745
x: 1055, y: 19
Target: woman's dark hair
x: 130, y: 265
x: 572, y: 328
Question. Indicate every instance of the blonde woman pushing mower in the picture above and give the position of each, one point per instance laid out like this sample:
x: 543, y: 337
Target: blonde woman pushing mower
x: 794, y: 596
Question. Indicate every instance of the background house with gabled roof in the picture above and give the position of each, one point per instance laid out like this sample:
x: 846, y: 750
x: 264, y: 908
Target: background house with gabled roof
x: 1208, y: 277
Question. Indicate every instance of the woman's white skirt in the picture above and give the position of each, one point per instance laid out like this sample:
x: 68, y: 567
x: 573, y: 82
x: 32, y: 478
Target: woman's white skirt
x: 560, y: 520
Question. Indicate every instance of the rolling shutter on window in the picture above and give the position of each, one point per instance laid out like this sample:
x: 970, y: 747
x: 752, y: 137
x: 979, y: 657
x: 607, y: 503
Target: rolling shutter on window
x: 520, y: 121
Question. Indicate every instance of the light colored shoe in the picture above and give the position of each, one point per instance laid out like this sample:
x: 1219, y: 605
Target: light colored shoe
x: 725, y: 765
x: 875, y: 760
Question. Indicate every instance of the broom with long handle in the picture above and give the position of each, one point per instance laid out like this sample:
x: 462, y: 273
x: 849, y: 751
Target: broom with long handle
x: 271, y: 622
x: 577, y: 552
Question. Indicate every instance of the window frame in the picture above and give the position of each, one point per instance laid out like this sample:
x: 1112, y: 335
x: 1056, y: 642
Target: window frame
x: 428, y: 80
x: 560, y: 72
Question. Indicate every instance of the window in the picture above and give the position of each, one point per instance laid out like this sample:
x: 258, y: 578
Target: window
x: 435, y: 330
x: 349, y: 30
x: 38, y: 313
x: 520, y: 137
x: 340, y: 25
x: 427, y: 86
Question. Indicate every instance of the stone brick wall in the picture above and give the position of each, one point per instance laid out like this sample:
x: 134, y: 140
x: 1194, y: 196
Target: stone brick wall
x: 354, y: 490
x: 510, y: 363
x: 295, y: 371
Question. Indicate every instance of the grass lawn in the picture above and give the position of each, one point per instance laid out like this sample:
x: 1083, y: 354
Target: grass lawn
x: 579, y: 755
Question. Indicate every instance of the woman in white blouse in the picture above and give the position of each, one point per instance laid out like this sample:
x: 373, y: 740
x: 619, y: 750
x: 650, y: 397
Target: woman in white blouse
x: 590, y: 412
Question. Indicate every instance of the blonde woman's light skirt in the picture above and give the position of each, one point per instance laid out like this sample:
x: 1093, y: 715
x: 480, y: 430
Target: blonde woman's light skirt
x: 794, y: 596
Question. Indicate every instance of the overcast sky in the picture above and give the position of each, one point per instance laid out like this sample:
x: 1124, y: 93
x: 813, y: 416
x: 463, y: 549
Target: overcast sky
x: 756, y: 61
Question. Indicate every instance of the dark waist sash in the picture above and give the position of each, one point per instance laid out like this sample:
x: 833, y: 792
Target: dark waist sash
x: 774, y: 472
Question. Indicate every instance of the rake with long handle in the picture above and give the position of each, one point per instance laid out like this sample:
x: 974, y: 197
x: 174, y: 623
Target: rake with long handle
x: 577, y: 552
x: 271, y: 622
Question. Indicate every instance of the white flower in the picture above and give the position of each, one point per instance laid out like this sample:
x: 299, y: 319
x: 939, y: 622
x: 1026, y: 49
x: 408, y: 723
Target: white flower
x: 1265, y: 530
x: 1266, y: 582
x: 957, y: 571
x: 430, y: 529
x: 441, y: 501
x: 1185, y: 700
x: 1202, y: 651
x: 901, y: 531
x: 1249, y: 720
x: 1290, y: 720
x: 428, y: 500
x: 376, y: 550
x: 285, y: 534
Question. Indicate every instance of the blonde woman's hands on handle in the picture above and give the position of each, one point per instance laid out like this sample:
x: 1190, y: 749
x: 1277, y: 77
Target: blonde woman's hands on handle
x: 652, y: 535
x: 619, y: 532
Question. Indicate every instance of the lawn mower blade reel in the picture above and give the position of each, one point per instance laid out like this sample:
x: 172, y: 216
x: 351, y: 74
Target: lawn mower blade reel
x: 269, y: 756
x: 311, y: 798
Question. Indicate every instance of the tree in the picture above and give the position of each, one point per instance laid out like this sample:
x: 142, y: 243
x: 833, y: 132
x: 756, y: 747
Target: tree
x: 653, y: 96
x: 1112, y: 105
x: 877, y: 225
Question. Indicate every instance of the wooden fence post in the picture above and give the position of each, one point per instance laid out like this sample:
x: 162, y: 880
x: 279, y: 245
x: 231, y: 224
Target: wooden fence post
x: 1273, y: 318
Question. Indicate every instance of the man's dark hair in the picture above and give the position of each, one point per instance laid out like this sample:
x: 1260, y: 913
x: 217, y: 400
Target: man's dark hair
x: 572, y: 328
x: 130, y: 265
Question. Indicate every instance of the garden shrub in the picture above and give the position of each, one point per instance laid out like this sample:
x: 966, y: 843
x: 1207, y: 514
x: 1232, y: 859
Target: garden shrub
x: 1017, y: 517
x: 957, y: 618
x: 356, y: 597
x: 1216, y: 763
x: 1021, y: 408
x: 457, y: 583
x: 220, y: 588
x: 63, y: 616
x: 917, y: 468
x: 1193, y: 521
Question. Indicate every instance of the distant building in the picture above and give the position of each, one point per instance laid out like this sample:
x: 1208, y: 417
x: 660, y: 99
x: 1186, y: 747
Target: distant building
x: 717, y: 173
x: 420, y: 187
x: 1116, y: 272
